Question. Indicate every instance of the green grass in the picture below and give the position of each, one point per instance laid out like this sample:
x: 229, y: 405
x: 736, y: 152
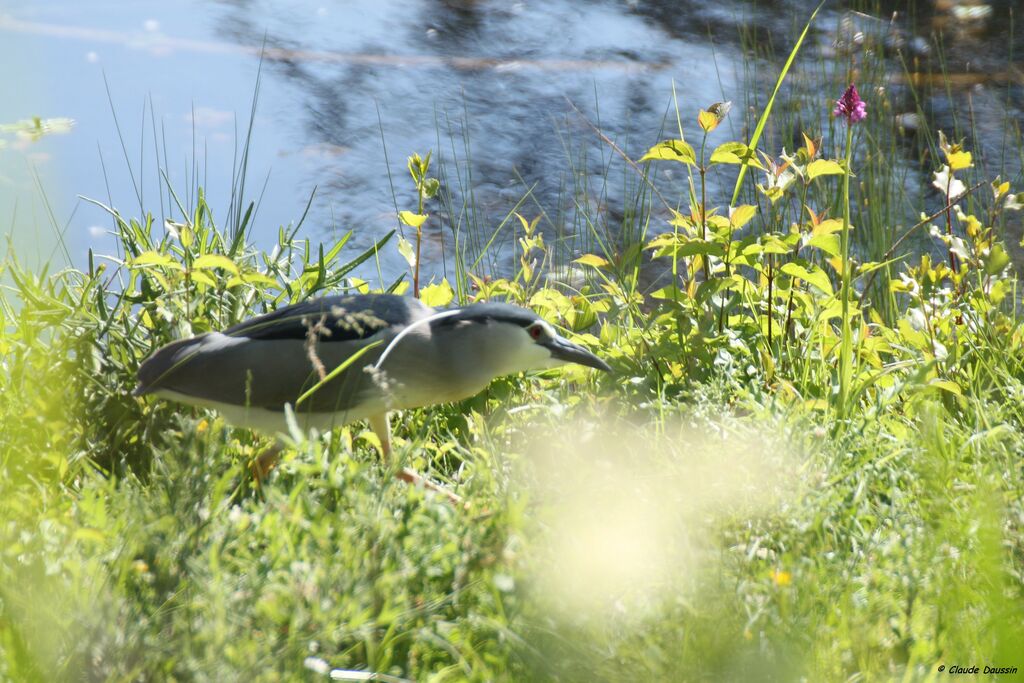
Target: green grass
x: 704, y: 512
x: 686, y: 518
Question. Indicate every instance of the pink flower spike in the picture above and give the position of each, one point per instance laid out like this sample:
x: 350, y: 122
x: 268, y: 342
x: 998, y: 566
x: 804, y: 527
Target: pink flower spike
x: 851, y: 106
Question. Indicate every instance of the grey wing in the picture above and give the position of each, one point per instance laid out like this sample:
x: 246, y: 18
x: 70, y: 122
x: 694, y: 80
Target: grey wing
x: 275, y: 358
x: 334, y: 318
x: 264, y: 373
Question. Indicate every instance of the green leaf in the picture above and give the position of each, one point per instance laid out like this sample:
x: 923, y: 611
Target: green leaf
x: 253, y: 279
x: 735, y: 153
x: 418, y: 167
x: 959, y: 160
x: 681, y: 221
x: 700, y: 247
x: 359, y: 284
x: 997, y: 260
x: 413, y: 220
x: 774, y: 193
x: 529, y: 227
x: 766, y: 244
x: 827, y: 243
x: 773, y: 244
x: 336, y: 249
x: 662, y: 240
x: 752, y: 249
x: 707, y: 121
x: 202, y: 278
x: 997, y: 291
x: 400, y: 286
x: 680, y: 245
x: 672, y: 150
x: 670, y: 293
x: 718, y: 223
x: 593, y: 260
x: 581, y: 316
x: 440, y: 294
x: 709, y: 288
x: 153, y: 258
x: 828, y: 227
x: 813, y: 275
x: 260, y: 279
x: 430, y: 187
x: 181, y: 231
x: 947, y: 385
x: 741, y: 215
x: 821, y: 167
x: 915, y: 338
x: 211, y: 261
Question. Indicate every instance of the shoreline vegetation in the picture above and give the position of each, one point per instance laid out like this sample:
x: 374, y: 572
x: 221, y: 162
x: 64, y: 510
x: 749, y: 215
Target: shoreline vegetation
x: 806, y: 463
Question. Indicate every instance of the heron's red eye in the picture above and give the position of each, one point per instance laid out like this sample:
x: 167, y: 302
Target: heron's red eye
x: 536, y: 332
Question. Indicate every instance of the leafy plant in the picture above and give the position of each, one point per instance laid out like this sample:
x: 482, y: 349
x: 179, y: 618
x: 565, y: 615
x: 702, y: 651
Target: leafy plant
x: 426, y: 188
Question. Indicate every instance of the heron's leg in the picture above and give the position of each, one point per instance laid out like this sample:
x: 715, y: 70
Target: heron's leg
x: 263, y: 463
x: 411, y: 476
x: 381, y: 426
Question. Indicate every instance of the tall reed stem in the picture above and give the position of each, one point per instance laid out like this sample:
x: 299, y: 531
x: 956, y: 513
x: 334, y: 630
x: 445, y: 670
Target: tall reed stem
x: 846, y: 346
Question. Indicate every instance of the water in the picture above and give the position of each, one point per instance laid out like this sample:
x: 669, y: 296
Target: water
x: 492, y: 87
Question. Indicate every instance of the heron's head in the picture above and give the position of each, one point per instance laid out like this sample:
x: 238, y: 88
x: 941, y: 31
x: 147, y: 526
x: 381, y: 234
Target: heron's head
x: 508, y: 339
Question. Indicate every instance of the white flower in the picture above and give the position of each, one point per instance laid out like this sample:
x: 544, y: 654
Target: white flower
x: 958, y: 247
x: 917, y: 320
x: 786, y: 179
x: 317, y: 665
x: 910, y: 283
x: 235, y: 515
x: 943, y: 183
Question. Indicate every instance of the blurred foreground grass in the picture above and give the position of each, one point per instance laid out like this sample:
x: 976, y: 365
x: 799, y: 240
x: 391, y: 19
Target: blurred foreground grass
x: 657, y: 525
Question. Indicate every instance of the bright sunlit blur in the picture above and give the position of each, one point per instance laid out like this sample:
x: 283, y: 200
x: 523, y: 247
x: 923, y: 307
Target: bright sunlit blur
x: 630, y: 514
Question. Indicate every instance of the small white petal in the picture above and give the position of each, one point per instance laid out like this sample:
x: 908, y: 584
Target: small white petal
x: 316, y: 665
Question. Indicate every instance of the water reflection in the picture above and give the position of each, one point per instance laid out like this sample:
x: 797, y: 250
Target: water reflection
x: 489, y: 88
x: 505, y: 93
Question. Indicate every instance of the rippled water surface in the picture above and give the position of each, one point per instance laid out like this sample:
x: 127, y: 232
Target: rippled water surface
x: 503, y: 91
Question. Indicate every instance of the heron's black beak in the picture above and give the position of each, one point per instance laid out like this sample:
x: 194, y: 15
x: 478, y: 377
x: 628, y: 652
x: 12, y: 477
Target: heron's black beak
x: 564, y: 350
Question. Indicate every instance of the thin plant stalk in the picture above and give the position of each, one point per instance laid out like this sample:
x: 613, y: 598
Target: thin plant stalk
x: 846, y: 345
x: 419, y: 242
x: 704, y: 206
x: 949, y: 221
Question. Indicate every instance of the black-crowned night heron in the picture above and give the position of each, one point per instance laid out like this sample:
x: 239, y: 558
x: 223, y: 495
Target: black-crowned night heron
x: 400, y: 352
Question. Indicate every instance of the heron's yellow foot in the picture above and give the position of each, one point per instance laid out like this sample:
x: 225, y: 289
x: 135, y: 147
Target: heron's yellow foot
x: 263, y: 464
x: 381, y: 426
x: 411, y: 476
